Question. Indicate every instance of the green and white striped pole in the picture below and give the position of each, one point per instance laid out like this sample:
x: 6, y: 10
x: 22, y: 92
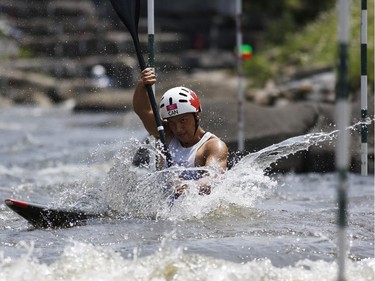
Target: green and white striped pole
x: 151, y: 34
x: 151, y: 61
x: 364, y: 132
x: 342, y: 147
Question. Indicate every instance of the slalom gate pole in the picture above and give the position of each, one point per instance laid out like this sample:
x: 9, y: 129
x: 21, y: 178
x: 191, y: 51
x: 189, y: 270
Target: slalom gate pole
x: 342, y: 147
x: 151, y: 34
x: 364, y: 132
x: 151, y: 52
x: 240, y: 96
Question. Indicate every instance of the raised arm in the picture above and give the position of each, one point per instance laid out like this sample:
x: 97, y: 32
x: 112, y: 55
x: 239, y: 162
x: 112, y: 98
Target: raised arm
x: 141, y: 102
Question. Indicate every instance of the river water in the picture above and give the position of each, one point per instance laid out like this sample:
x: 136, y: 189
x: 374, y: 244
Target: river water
x: 252, y: 227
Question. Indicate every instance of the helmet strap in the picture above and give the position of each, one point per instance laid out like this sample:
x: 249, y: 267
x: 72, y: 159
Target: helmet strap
x: 197, y: 121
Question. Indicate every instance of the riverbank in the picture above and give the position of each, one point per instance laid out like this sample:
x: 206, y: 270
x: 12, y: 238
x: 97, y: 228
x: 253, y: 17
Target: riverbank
x: 290, y: 114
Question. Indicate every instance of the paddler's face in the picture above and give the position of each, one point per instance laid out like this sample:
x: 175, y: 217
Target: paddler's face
x: 183, y: 128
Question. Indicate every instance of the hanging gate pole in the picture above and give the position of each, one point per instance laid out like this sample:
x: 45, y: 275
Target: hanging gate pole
x: 342, y: 147
x: 364, y: 132
x: 241, y: 142
x: 151, y: 33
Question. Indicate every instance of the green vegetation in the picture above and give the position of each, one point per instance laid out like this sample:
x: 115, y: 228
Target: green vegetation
x: 314, y: 46
x: 285, y: 16
x: 25, y: 53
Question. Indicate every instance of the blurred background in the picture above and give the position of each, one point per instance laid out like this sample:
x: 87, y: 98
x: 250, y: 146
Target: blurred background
x: 79, y: 53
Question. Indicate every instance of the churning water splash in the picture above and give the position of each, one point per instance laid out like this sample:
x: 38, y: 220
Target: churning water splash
x: 271, y: 154
x: 143, y: 192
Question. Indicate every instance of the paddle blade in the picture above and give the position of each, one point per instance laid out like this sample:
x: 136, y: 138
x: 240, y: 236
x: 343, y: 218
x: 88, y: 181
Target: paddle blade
x: 128, y: 12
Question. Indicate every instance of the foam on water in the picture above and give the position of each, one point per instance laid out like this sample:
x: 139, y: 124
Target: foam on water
x: 81, y: 261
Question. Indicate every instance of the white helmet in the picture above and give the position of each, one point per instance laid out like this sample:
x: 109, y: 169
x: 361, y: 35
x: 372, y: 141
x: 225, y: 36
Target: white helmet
x: 179, y: 100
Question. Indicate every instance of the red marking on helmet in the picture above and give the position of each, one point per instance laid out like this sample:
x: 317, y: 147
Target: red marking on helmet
x: 194, y: 101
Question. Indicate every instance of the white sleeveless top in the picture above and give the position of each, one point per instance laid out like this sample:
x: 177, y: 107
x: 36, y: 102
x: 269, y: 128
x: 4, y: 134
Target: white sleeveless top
x: 185, y: 156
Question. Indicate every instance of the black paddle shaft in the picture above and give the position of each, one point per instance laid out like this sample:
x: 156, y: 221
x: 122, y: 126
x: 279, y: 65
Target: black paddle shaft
x: 128, y: 12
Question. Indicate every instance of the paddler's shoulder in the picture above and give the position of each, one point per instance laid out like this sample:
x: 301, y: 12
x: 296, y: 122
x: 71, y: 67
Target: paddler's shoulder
x: 215, y: 144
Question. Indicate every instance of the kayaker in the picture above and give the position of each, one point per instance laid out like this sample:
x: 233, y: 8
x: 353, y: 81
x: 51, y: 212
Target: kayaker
x: 189, y: 144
